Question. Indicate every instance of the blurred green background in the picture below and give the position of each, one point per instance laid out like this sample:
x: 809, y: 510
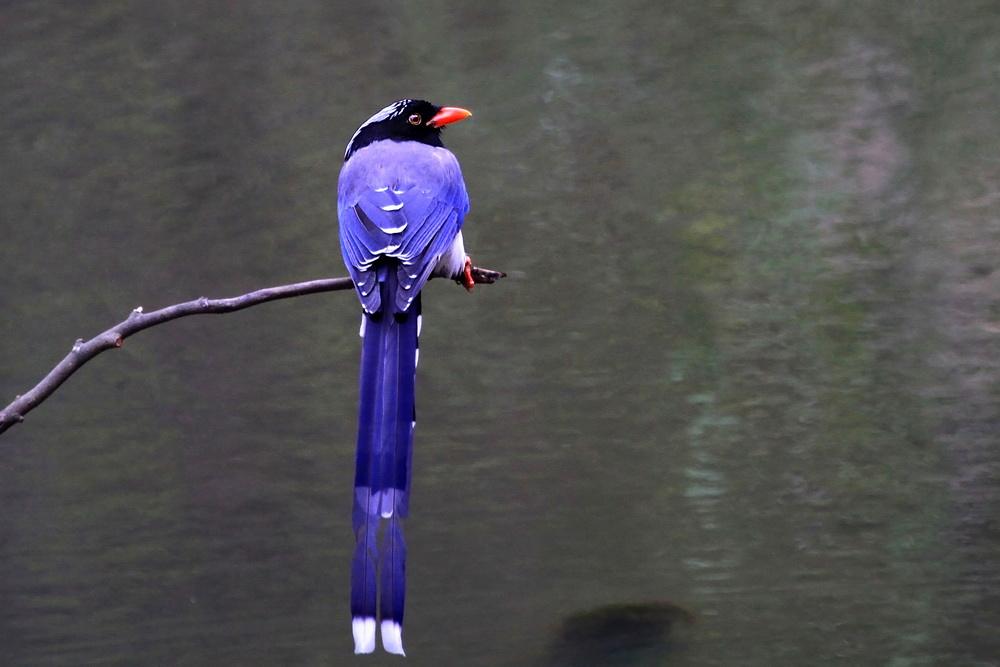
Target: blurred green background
x: 747, y: 359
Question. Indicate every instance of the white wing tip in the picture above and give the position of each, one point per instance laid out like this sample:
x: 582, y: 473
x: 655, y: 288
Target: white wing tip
x: 392, y: 637
x: 364, y: 634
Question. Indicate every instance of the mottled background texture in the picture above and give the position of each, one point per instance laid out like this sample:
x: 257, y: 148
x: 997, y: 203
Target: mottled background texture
x: 747, y: 360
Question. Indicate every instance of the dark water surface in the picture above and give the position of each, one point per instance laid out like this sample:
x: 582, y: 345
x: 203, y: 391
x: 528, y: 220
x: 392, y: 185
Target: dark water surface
x: 747, y: 361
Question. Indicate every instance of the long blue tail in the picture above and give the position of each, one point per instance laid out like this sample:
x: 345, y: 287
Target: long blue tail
x: 382, y: 473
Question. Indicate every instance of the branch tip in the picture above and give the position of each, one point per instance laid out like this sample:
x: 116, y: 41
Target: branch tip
x: 483, y: 276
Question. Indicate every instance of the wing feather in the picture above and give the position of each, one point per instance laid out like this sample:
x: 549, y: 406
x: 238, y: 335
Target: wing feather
x: 410, y: 213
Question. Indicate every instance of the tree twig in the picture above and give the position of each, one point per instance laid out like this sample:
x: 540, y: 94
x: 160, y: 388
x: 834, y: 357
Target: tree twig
x: 84, y: 351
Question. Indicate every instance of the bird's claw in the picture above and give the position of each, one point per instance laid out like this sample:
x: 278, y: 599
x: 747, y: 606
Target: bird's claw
x: 468, y: 282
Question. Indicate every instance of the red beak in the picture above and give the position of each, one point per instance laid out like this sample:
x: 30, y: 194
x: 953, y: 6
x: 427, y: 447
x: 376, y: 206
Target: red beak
x: 448, y: 115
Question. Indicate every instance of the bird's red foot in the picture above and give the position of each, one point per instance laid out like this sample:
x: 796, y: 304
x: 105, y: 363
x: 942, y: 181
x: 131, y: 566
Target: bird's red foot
x: 467, y: 280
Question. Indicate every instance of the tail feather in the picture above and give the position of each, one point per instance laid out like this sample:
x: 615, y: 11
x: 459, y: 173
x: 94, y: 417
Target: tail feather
x: 382, y: 474
x: 363, y: 592
x: 363, y: 567
x: 397, y: 471
x: 393, y: 595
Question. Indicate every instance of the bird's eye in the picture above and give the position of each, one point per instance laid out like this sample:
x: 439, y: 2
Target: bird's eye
x: 414, y: 119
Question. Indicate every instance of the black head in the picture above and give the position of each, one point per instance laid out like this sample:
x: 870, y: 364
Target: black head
x: 406, y: 120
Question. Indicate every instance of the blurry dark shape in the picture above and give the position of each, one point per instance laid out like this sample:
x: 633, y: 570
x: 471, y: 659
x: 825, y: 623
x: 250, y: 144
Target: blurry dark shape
x: 640, y: 633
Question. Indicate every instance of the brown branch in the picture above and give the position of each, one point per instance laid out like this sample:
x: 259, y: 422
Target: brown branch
x: 84, y: 351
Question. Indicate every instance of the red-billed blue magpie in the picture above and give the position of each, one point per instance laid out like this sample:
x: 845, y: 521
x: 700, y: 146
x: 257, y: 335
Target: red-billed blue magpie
x: 401, y: 201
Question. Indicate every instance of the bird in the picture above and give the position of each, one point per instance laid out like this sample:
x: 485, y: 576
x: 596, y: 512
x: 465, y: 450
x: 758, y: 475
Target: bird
x: 401, y: 203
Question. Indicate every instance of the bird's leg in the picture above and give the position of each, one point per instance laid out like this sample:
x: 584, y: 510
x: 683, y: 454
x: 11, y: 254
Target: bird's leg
x: 467, y: 280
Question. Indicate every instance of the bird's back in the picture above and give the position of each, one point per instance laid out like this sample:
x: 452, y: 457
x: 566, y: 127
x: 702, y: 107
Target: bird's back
x: 433, y: 170
x: 402, y: 203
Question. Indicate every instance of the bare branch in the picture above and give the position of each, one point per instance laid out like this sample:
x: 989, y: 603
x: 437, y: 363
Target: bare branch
x: 485, y: 276
x: 84, y: 351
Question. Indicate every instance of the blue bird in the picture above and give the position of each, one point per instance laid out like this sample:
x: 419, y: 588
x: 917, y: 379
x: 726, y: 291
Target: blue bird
x: 401, y: 201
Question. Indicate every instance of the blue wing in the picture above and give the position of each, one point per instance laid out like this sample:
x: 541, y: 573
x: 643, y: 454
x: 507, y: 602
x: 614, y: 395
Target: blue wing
x: 400, y: 201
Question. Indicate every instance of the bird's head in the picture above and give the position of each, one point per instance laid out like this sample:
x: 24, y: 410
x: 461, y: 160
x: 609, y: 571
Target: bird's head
x: 406, y: 120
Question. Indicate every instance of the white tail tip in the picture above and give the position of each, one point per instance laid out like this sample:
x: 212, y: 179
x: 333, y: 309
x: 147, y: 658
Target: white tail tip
x: 364, y: 634
x: 392, y: 637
